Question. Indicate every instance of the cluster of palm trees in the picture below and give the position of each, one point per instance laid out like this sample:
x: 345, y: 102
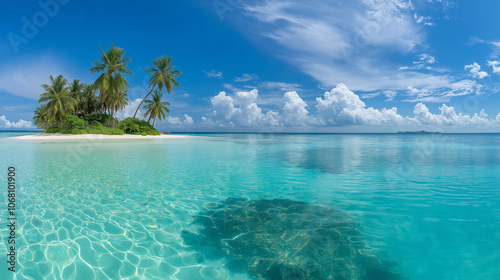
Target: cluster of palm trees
x: 108, y: 94
x: 62, y: 98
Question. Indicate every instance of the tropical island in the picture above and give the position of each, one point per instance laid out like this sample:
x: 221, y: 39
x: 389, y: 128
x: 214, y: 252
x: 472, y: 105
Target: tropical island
x: 79, y: 108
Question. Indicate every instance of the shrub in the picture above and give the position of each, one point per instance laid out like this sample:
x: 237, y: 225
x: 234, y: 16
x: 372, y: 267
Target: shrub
x: 103, y: 119
x: 136, y: 126
x: 52, y: 130
x: 116, y: 131
x: 153, y: 132
x: 130, y: 125
x: 101, y: 129
x: 73, y: 123
x: 98, y: 124
x: 78, y: 131
x: 96, y: 128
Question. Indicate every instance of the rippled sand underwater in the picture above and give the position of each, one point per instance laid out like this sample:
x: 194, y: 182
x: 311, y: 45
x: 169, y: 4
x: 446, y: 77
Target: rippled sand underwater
x: 258, y: 207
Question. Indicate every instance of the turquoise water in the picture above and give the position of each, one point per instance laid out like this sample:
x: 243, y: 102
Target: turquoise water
x: 429, y: 204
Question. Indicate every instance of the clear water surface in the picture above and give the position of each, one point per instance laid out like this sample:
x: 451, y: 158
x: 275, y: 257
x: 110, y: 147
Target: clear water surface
x: 117, y: 209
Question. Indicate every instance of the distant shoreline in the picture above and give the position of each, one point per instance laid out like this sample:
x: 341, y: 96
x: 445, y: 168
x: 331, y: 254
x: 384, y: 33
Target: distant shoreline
x: 98, y: 137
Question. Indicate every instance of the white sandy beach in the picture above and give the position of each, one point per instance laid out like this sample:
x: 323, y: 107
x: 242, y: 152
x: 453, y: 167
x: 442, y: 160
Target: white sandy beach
x: 59, y: 136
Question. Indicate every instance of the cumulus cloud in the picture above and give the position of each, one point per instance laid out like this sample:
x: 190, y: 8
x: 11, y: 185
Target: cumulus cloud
x: 213, y: 74
x: 188, y: 119
x: 176, y: 121
x: 238, y: 110
x: 340, y: 106
x: 448, y: 116
x: 336, y: 108
x: 246, y: 78
x: 294, y: 111
x: 129, y: 110
x: 4, y: 123
x: 495, y: 65
x: 475, y: 70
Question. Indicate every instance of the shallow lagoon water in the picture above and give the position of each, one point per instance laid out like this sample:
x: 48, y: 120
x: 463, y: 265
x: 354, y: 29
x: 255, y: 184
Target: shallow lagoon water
x: 427, y: 204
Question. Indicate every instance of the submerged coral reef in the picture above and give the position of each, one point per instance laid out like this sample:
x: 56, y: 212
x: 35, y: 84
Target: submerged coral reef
x: 285, y: 239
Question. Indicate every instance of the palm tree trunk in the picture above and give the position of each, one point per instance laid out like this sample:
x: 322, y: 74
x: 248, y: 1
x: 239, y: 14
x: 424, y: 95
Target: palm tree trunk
x: 143, y: 101
x: 149, y: 118
x: 154, y: 122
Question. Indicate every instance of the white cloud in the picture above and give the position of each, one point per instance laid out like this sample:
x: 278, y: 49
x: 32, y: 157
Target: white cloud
x: 176, y: 121
x: 389, y: 94
x: 453, y: 89
x: 495, y: 45
x: 337, y: 31
x: 4, y: 123
x: 448, y: 116
x: 188, y: 119
x: 231, y: 87
x: 129, y: 110
x: 424, y: 61
x: 348, y: 42
x: 496, y: 48
x: 280, y: 86
x: 294, y: 111
x: 425, y: 58
x: 246, y: 77
x: 423, y: 20
x: 239, y: 110
x: 475, y: 70
x: 495, y: 65
x: 213, y: 74
x: 340, y: 106
x: 446, y: 4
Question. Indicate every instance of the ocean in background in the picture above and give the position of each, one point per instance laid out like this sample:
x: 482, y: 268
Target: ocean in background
x: 427, y: 204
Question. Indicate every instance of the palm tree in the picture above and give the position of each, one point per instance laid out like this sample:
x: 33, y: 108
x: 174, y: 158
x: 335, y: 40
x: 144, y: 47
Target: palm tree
x: 156, y: 108
x: 111, y: 82
x: 75, y: 91
x: 163, y: 75
x: 120, y: 101
x: 57, y: 95
x: 91, y: 103
x: 40, y: 117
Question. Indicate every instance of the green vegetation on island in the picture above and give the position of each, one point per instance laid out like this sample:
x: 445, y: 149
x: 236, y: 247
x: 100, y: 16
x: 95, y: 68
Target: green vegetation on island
x: 79, y: 108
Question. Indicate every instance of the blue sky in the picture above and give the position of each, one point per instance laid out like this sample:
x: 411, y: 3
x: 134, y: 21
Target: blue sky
x: 277, y: 66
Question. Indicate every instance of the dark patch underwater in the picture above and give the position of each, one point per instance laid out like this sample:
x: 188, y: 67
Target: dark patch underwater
x: 285, y: 239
